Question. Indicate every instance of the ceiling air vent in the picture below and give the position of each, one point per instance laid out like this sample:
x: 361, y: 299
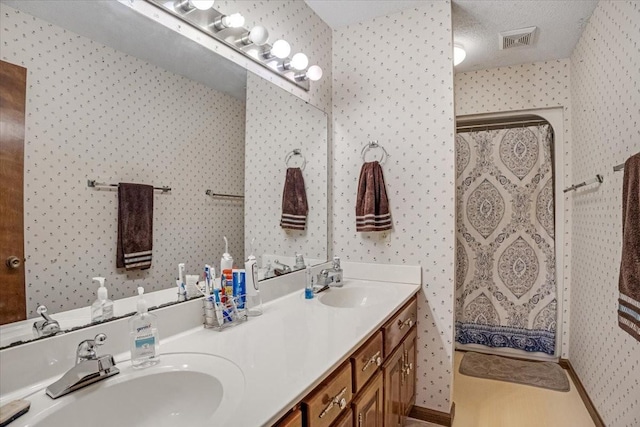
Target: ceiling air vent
x: 516, y: 38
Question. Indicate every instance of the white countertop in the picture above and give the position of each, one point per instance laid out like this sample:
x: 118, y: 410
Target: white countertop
x: 284, y: 353
x: 288, y: 350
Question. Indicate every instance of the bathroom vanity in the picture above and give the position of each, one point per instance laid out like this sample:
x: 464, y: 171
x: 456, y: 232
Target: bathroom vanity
x: 283, y: 368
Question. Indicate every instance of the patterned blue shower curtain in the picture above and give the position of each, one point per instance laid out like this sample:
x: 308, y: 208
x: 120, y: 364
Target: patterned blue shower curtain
x: 505, y: 249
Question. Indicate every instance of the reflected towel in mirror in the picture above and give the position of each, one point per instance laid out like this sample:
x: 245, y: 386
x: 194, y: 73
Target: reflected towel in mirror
x: 135, y: 226
x: 294, y: 201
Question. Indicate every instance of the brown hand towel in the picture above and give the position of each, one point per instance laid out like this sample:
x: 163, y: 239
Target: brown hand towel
x: 629, y: 284
x: 294, y: 201
x: 372, y: 205
x: 135, y: 226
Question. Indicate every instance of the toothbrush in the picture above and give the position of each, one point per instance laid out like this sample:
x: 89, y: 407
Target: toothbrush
x: 207, y: 279
x: 181, y: 273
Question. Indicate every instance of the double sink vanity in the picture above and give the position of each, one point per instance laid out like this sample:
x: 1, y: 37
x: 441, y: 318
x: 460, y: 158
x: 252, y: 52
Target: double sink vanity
x: 344, y: 358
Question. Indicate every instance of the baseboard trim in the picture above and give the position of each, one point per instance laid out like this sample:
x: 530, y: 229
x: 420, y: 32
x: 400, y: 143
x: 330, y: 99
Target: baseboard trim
x: 597, y: 420
x: 433, y: 416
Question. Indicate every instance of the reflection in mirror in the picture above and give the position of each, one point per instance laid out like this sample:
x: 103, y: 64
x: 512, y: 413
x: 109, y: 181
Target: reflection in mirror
x: 154, y: 112
x: 282, y: 131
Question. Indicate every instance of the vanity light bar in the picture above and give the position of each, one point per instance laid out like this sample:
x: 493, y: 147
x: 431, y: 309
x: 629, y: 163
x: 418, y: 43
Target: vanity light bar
x: 250, y: 43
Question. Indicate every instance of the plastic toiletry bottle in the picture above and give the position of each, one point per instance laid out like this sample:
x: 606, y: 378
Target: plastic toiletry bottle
x: 254, y: 301
x: 144, y: 341
x: 240, y: 287
x: 102, y: 308
x: 308, y: 290
x: 226, y: 262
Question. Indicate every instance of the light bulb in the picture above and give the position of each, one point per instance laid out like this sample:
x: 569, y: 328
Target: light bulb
x: 201, y: 4
x: 299, y: 61
x: 233, y: 21
x: 314, y: 73
x: 458, y: 54
x: 258, y: 35
x: 280, y: 49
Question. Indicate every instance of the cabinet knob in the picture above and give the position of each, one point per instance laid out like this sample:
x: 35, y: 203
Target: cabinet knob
x: 374, y: 360
x: 337, y: 400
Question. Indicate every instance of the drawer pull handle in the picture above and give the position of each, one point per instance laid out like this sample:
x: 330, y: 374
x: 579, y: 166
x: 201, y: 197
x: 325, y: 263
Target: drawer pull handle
x: 402, y: 324
x: 373, y: 359
x: 338, y: 400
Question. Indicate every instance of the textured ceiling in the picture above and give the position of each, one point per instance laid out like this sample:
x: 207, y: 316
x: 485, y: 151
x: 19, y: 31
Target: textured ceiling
x: 476, y: 24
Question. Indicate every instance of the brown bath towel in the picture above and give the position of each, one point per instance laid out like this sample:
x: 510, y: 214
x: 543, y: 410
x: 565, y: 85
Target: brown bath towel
x: 629, y: 284
x: 135, y: 226
x: 372, y: 205
x: 294, y: 201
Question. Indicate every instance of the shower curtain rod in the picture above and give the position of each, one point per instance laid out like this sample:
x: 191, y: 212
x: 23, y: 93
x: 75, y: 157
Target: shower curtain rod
x: 501, y: 125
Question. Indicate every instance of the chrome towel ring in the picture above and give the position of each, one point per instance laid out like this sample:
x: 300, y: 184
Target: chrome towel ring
x: 295, y: 152
x: 371, y: 145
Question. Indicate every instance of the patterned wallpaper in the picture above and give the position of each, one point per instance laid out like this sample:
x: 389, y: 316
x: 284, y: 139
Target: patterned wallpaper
x: 277, y: 122
x: 95, y: 113
x: 605, y: 66
x: 526, y: 87
x: 395, y: 87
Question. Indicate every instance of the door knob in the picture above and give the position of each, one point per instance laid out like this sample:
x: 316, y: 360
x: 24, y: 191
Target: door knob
x: 13, y: 262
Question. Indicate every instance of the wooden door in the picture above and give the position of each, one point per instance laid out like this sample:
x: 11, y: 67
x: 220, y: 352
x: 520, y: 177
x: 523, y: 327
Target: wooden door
x: 13, y: 89
x: 393, y: 383
x: 409, y: 388
x: 368, y: 407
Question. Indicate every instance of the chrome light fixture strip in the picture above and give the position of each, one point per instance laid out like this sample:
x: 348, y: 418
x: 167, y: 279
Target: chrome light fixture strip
x: 205, y: 21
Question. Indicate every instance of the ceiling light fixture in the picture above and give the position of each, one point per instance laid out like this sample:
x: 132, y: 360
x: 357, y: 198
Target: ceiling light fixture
x: 280, y: 49
x: 314, y: 73
x: 258, y: 36
x: 458, y: 54
x: 188, y: 5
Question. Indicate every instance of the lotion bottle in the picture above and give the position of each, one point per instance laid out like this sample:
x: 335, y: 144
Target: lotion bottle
x: 254, y: 301
x: 144, y: 340
x: 102, y: 308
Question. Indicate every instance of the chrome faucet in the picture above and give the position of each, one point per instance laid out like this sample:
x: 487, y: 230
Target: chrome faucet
x: 46, y: 327
x: 281, y: 268
x: 331, y: 277
x: 89, y: 368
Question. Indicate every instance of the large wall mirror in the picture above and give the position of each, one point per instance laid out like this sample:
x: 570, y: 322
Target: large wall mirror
x: 113, y: 96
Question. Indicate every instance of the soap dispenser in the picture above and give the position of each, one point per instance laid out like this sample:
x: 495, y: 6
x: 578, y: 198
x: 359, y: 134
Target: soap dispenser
x: 144, y: 340
x: 102, y: 308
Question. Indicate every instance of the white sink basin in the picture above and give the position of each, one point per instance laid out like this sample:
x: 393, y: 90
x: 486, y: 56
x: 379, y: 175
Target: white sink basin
x: 354, y: 296
x: 184, y: 389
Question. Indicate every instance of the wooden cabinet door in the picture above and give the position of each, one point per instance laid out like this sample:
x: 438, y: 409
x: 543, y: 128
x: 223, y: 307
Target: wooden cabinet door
x: 294, y: 419
x: 409, y: 387
x: 393, y: 383
x: 368, y: 406
x: 346, y: 420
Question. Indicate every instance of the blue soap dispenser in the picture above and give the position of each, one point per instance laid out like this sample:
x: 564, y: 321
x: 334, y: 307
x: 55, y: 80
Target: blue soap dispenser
x: 308, y: 290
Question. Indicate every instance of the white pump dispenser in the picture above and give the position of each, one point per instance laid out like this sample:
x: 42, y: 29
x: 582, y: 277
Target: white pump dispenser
x: 254, y: 301
x: 145, y: 343
x: 226, y: 262
x: 102, y: 308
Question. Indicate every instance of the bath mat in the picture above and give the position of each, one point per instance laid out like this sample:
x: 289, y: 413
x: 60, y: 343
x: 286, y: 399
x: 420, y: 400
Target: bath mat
x: 538, y: 374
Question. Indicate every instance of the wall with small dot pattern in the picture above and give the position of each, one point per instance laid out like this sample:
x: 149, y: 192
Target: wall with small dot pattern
x: 605, y: 92
x: 278, y: 122
x: 527, y: 87
x: 96, y: 113
x: 393, y: 82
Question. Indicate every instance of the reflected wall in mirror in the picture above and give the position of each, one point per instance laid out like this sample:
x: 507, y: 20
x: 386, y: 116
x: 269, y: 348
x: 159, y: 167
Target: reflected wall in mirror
x: 278, y: 123
x: 128, y: 115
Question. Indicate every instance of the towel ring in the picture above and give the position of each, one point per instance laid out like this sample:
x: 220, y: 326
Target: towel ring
x: 296, y: 152
x: 371, y: 145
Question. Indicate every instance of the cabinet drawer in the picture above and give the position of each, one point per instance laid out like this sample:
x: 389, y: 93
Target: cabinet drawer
x: 294, y: 419
x: 346, y: 420
x: 366, y: 360
x: 330, y: 399
x: 399, y: 325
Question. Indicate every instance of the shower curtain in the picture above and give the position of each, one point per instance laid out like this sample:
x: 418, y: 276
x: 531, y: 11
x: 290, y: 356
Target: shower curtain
x: 505, y: 252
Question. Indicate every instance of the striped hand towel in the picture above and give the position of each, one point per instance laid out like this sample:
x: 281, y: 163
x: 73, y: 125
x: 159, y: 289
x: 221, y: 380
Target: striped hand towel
x: 294, y: 201
x: 372, y: 205
x: 135, y: 226
x: 629, y: 284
